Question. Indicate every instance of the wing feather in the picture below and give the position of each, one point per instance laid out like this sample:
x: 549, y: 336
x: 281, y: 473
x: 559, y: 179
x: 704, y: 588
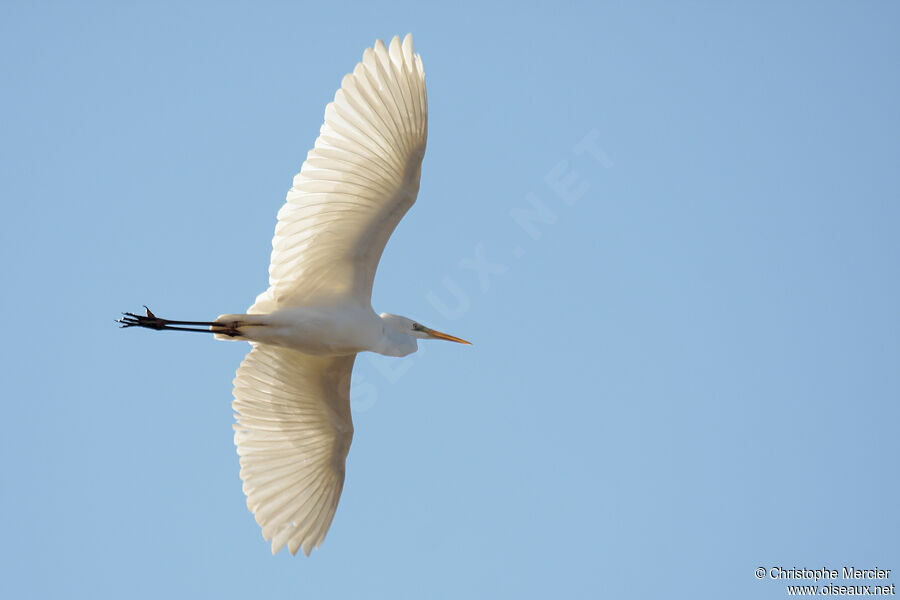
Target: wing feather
x: 356, y: 184
x: 293, y: 433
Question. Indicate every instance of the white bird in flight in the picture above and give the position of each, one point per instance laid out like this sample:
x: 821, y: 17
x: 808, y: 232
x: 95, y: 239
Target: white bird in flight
x: 292, y: 391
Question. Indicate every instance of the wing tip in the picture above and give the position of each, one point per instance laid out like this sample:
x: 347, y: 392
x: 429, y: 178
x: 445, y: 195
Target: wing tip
x: 397, y: 47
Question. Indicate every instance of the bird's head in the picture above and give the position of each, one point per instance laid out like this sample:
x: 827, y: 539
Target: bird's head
x: 410, y: 327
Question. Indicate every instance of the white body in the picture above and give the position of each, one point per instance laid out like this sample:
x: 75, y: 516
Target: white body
x: 325, y: 330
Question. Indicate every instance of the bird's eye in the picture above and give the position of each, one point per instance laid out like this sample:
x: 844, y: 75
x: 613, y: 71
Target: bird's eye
x: 417, y: 327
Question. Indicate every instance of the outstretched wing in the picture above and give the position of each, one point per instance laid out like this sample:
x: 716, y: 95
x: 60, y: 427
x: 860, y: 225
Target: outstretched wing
x: 355, y: 185
x: 293, y: 432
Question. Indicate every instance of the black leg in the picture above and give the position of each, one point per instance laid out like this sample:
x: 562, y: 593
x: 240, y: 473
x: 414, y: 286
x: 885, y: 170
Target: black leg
x: 151, y: 321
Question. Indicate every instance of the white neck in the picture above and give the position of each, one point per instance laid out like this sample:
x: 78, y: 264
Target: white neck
x: 395, y: 343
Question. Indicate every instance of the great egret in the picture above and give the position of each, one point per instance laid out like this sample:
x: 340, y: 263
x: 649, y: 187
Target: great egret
x: 292, y: 391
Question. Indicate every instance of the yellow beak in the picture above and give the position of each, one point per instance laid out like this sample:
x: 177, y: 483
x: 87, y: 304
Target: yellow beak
x: 445, y: 336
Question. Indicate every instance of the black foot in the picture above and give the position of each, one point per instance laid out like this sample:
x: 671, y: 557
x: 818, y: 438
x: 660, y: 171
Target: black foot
x: 151, y: 321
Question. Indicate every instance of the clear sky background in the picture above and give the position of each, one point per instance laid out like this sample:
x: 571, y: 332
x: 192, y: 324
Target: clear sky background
x: 670, y: 231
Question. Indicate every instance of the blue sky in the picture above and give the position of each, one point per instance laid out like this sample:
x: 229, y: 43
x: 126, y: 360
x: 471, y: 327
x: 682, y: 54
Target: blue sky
x: 669, y: 230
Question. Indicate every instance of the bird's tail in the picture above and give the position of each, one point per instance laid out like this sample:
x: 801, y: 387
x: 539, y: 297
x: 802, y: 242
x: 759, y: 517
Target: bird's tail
x: 235, y: 327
